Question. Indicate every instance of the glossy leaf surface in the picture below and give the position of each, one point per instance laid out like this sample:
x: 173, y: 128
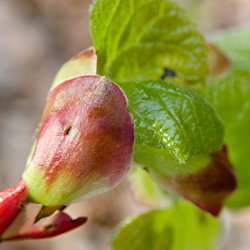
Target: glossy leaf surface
x: 178, y: 139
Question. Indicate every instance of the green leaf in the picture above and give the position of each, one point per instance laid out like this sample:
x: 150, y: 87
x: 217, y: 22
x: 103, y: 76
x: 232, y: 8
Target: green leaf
x: 143, y: 39
x: 182, y: 227
x: 178, y: 139
x: 231, y: 98
x: 174, y: 120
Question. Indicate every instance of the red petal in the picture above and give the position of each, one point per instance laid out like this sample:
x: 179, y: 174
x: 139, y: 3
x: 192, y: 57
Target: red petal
x: 25, y: 228
x: 11, y: 202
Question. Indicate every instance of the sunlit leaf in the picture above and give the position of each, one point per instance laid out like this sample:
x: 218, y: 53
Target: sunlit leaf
x: 145, y: 39
x: 178, y: 139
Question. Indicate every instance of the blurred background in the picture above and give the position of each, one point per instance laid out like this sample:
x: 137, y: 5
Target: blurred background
x: 37, y: 37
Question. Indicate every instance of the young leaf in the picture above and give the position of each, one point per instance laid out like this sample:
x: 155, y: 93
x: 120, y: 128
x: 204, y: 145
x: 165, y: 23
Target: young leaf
x: 182, y: 227
x: 145, y: 40
x: 178, y: 138
x: 173, y: 118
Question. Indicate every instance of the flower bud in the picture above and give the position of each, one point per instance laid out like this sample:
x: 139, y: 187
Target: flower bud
x: 84, y: 144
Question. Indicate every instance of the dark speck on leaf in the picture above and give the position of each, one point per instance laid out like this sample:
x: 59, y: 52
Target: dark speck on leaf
x: 168, y: 73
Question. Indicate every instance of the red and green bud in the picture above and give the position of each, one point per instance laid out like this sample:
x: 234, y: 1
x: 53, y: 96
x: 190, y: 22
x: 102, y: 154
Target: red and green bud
x: 83, y: 147
x: 84, y: 144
